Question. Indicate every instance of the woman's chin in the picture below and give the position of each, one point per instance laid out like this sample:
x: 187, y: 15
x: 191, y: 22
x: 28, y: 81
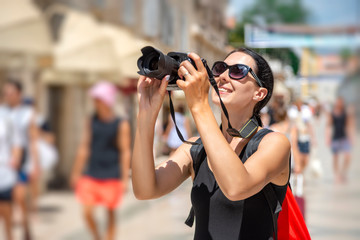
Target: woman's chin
x: 226, y: 99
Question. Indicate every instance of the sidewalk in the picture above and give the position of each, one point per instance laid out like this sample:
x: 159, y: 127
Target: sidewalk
x: 333, y: 210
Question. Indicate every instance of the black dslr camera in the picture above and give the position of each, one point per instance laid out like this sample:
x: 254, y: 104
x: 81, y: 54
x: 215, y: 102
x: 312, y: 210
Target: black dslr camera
x: 154, y: 64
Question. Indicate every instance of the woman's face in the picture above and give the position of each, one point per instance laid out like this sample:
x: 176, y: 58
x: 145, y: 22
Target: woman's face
x: 100, y: 106
x: 236, y: 93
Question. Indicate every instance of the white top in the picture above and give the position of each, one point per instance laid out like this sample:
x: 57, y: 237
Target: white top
x: 9, y: 137
x: 173, y: 140
x: 301, y: 119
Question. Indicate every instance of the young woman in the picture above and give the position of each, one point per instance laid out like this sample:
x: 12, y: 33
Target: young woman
x: 226, y: 195
x: 101, y: 169
x: 340, y: 133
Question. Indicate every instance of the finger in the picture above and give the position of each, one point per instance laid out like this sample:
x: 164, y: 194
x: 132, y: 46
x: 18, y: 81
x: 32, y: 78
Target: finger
x: 189, y: 67
x: 182, y: 84
x: 164, y: 83
x: 183, y: 72
x: 199, y: 64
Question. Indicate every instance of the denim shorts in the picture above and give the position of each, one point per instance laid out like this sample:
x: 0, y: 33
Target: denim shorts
x: 340, y: 145
x: 6, y: 195
x: 304, y: 147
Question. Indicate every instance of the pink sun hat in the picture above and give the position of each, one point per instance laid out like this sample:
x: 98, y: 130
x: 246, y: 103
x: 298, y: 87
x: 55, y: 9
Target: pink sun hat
x: 105, y: 91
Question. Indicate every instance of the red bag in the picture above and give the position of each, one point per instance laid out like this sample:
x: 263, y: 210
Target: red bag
x: 291, y: 224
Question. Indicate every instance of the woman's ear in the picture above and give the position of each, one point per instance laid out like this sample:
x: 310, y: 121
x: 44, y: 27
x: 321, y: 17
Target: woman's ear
x: 260, y: 94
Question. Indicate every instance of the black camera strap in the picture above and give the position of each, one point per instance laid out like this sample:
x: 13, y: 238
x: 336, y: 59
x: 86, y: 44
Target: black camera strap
x: 245, y: 132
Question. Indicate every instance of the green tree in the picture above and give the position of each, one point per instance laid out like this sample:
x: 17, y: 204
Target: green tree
x: 271, y: 12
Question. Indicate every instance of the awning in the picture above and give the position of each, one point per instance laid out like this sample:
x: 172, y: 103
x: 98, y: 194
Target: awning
x: 23, y: 28
x: 86, y: 45
x: 82, y: 46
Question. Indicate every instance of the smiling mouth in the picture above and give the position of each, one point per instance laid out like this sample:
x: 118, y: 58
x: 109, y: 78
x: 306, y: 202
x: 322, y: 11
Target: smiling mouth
x: 224, y: 90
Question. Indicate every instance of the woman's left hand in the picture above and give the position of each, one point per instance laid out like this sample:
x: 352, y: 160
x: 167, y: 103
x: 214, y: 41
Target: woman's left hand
x: 195, y: 84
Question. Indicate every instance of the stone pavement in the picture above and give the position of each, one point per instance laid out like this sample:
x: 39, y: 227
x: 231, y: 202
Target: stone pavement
x: 332, y: 210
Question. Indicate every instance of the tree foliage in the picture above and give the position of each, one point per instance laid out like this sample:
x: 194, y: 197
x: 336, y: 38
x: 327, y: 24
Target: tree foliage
x: 264, y: 12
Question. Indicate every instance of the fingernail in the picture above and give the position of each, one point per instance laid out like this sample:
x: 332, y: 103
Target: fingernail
x: 188, y: 53
x: 167, y: 77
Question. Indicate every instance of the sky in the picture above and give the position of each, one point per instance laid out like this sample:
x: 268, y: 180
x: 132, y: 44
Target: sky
x: 323, y: 12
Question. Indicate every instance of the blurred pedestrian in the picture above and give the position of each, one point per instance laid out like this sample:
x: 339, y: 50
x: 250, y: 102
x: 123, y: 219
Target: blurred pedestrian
x: 302, y: 134
x: 46, y: 153
x: 281, y: 122
x: 10, y: 154
x: 101, y: 168
x: 22, y: 118
x: 172, y: 139
x: 340, y: 136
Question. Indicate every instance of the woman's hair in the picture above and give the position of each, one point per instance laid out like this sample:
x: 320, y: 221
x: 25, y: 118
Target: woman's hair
x: 264, y: 73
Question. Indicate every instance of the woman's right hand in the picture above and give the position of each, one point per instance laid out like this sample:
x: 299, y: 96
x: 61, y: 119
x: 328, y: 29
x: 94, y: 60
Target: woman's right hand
x: 151, y: 94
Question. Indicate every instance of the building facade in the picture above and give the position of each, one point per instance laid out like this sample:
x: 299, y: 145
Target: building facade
x: 87, y: 45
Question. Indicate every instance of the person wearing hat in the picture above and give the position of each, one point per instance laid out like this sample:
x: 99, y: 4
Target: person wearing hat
x: 100, y: 173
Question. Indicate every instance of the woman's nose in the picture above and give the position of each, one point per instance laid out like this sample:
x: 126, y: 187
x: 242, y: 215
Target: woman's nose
x: 224, y: 77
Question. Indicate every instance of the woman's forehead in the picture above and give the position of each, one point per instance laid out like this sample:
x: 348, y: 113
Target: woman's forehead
x: 240, y: 57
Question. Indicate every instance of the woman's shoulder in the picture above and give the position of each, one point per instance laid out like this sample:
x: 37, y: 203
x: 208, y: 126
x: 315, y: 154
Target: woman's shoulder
x: 275, y: 139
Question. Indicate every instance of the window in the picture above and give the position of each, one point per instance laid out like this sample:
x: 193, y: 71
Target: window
x: 184, y: 33
x: 128, y: 12
x: 151, y: 17
x: 167, y: 23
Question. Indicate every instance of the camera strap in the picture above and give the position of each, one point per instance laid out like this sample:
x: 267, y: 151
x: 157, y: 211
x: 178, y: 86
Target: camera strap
x: 245, y: 132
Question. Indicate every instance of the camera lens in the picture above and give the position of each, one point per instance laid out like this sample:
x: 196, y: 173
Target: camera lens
x: 153, y: 64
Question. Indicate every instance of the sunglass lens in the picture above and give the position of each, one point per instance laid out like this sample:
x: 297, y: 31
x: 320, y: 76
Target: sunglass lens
x: 218, y: 69
x: 238, y: 71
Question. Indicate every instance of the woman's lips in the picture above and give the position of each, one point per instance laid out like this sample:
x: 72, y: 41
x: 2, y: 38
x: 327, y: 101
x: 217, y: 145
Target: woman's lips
x: 225, y: 90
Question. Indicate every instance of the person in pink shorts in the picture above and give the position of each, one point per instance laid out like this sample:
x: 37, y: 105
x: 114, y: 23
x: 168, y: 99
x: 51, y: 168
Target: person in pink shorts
x: 101, y: 169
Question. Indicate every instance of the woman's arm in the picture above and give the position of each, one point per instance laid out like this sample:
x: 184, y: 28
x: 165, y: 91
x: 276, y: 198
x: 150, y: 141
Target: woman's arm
x: 350, y: 127
x: 236, y: 180
x: 34, y: 153
x: 82, y: 154
x: 149, y: 182
x: 124, y: 142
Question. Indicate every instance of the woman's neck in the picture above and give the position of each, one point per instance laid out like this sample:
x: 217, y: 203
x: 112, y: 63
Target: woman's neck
x: 105, y: 116
x: 237, y: 119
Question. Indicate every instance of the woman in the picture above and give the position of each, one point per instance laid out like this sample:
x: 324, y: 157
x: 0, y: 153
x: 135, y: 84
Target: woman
x: 229, y: 188
x: 101, y: 169
x: 302, y: 135
x: 339, y: 136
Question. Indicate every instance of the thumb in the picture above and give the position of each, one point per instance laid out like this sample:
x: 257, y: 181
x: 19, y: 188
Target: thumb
x: 164, y: 83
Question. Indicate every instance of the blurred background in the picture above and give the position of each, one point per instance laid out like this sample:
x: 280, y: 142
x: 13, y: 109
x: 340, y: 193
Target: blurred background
x: 58, y: 49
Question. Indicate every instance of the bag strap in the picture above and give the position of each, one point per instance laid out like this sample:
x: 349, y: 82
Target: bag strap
x: 198, y: 155
x: 271, y: 198
x: 274, y: 205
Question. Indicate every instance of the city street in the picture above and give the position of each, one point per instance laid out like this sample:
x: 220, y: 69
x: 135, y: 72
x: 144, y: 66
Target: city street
x: 332, y: 210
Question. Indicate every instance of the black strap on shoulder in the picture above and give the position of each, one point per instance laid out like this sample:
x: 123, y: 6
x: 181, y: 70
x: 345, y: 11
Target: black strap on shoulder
x: 271, y: 198
x: 198, y: 155
x: 274, y: 205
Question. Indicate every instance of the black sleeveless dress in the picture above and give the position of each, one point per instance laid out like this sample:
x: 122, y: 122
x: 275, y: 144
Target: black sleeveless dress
x: 219, y: 218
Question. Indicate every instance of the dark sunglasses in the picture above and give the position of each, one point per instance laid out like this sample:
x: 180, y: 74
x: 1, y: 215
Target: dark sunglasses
x: 237, y: 71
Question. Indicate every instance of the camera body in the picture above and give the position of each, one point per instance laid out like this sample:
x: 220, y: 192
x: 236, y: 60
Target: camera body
x: 154, y: 64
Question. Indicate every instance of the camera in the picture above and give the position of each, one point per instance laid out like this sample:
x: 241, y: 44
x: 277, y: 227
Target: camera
x: 154, y: 64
